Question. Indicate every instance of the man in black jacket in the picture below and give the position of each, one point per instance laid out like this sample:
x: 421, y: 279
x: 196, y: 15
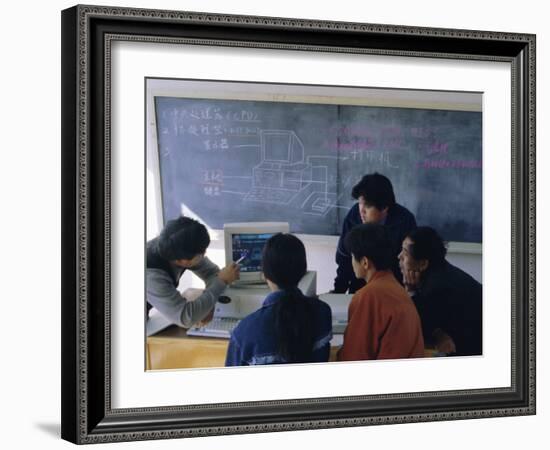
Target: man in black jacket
x: 376, y: 204
x: 449, y: 301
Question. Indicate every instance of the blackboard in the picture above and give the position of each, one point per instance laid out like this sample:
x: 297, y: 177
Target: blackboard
x: 240, y: 161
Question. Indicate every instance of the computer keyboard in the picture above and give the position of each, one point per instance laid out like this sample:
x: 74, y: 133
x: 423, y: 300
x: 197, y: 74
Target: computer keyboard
x: 220, y: 327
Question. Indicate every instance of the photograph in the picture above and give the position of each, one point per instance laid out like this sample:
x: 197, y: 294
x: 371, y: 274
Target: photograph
x: 275, y: 225
x: 255, y: 189
x: 279, y: 224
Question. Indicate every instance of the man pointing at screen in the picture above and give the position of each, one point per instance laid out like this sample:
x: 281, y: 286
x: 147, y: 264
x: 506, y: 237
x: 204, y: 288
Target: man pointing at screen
x: 181, y: 246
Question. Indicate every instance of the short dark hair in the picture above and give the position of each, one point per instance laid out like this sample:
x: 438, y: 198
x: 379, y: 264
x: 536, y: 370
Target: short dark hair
x: 370, y: 241
x: 427, y: 244
x: 183, y: 238
x: 376, y: 189
x: 284, y: 260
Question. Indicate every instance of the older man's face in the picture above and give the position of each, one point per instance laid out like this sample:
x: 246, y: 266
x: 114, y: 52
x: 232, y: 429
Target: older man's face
x: 406, y: 260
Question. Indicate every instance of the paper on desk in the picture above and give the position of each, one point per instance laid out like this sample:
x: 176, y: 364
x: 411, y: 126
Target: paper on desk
x: 337, y: 340
x: 156, y: 322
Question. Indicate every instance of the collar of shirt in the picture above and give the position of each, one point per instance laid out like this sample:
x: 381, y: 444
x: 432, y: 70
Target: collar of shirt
x: 273, y: 297
x: 380, y: 274
x: 176, y: 270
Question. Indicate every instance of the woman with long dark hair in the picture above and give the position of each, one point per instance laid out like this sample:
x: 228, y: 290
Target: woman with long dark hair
x: 289, y: 327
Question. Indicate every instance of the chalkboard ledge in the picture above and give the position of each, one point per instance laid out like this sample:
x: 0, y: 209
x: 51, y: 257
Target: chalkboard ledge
x: 472, y: 248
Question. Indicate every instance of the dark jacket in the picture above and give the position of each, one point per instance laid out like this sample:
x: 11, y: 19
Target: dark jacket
x: 450, y: 299
x: 399, y: 222
x: 254, y: 340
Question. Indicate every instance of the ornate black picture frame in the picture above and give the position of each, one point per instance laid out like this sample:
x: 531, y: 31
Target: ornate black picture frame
x: 87, y: 413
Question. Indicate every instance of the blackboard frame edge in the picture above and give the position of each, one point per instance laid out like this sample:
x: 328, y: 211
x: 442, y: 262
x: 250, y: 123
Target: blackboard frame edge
x: 86, y: 413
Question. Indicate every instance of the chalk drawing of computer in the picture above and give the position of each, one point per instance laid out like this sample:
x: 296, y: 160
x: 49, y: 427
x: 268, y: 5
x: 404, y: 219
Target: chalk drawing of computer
x: 282, y: 172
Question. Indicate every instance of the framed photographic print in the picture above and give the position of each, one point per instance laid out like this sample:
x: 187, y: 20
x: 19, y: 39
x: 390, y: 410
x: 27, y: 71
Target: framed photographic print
x: 241, y: 119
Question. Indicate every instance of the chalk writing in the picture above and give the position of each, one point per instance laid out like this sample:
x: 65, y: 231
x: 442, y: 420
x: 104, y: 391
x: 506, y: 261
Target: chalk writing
x: 212, y: 182
x: 207, y: 122
x: 393, y: 143
x: 353, y: 130
x: 449, y: 164
x: 211, y: 191
x: 419, y: 132
x: 391, y: 131
x: 374, y: 157
x: 438, y: 148
x: 215, y: 114
x: 216, y: 144
x: 213, y: 176
x: 357, y: 144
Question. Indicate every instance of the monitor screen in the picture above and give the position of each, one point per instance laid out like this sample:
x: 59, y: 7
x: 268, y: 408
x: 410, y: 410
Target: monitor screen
x: 246, y: 240
x: 249, y: 245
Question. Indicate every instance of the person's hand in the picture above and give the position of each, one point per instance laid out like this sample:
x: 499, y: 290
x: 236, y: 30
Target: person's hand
x: 411, y: 279
x: 206, y: 319
x: 229, y: 273
x: 443, y: 342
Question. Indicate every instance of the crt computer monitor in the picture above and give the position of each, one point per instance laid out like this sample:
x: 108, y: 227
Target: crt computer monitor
x: 248, y: 239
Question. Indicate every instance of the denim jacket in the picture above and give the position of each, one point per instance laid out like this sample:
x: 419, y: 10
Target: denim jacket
x: 254, y: 340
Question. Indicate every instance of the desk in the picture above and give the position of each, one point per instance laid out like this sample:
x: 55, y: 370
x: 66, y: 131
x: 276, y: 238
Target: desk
x: 173, y: 349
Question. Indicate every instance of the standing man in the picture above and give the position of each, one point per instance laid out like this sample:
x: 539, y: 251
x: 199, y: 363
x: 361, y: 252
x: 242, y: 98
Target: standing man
x: 376, y: 204
x: 181, y: 246
x: 449, y: 301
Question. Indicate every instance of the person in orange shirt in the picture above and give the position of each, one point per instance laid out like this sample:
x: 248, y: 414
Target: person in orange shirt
x: 382, y: 320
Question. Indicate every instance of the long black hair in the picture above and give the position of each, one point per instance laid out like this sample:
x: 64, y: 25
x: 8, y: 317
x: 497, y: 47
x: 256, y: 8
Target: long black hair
x: 284, y: 263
